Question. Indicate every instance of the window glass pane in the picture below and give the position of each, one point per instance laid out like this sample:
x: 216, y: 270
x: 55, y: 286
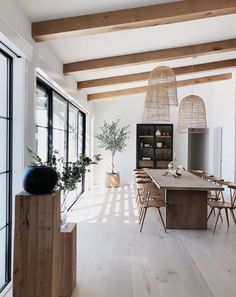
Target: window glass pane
x: 73, y: 133
x: 73, y: 140
x: 3, y: 145
x: 2, y: 257
x: 73, y: 119
x: 42, y: 143
x: 3, y: 199
x: 59, y: 112
x: 4, y: 77
x: 81, y: 135
x: 42, y: 107
x: 59, y: 143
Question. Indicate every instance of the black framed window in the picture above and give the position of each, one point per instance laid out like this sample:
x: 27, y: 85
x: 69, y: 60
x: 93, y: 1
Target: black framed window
x: 61, y: 125
x: 5, y: 167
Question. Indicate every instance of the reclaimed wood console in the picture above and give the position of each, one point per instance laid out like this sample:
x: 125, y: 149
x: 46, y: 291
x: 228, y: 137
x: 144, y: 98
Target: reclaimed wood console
x: 36, y: 245
x: 68, y: 260
x: 44, y: 255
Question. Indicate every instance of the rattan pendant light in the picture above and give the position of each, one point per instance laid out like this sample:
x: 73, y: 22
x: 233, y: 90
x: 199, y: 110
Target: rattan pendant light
x: 162, y: 87
x: 192, y: 114
x: 161, y: 93
x: 158, y: 114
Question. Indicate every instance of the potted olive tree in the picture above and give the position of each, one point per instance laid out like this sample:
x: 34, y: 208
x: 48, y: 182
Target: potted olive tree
x: 113, y: 138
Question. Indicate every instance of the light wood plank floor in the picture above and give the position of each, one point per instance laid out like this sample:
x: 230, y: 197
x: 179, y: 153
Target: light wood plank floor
x: 115, y: 260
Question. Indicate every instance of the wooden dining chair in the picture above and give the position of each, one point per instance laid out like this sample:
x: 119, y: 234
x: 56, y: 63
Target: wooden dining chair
x: 151, y: 197
x: 215, y: 195
x: 227, y: 206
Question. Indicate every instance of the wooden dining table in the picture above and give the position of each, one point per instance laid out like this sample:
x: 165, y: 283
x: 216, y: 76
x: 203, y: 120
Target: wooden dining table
x: 186, y: 198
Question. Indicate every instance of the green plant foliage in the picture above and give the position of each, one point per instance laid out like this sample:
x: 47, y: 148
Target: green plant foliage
x: 70, y: 173
x: 113, y: 138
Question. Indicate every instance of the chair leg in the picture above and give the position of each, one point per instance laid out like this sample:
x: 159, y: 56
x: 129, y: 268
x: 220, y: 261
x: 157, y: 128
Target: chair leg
x: 212, y: 209
x: 227, y: 216
x: 141, y: 214
x: 232, y: 213
x: 162, y: 219
x: 216, y: 221
x: 144, y: 215
x: 221, y: 217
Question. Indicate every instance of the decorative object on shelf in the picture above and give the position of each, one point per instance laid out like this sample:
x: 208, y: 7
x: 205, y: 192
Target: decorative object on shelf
x: 147, y: 145
x: 113, y: 138
x: 158, y: 132
x: 192, y: 114
x: 39, y: 180
x: 141, y: 144
x: 159, y: 144
x: 68, y: 175
x: 146, y: 158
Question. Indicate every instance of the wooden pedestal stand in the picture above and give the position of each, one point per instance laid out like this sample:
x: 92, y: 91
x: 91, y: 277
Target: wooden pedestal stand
x: 68, y: 260
x: 37, y: 245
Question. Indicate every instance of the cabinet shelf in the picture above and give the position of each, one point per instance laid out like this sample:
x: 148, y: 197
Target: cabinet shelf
x: 163, y: 136
x: 160, y: 156
x: 146, y: 136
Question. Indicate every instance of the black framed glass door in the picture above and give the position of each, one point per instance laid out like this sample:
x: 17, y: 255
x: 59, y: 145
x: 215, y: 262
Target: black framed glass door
x: 5, y: 167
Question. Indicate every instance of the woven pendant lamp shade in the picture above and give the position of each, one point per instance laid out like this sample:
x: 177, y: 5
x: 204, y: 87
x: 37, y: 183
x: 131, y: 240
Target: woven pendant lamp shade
x: 158, y: 114
x: 192, y: 114
x: 162, y: 88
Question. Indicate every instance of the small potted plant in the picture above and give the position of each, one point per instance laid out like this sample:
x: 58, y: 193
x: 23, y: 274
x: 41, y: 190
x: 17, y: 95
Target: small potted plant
x: 43, y: 178
x: 113, y: 139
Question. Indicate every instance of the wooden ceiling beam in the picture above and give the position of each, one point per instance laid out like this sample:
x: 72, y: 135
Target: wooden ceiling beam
x: 153, y: 56
x: 138, y: 90
x: 132, y: 18
x: 143, y: 76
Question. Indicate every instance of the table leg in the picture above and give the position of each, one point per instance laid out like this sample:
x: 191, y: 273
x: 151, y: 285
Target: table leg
x: 186, y: 209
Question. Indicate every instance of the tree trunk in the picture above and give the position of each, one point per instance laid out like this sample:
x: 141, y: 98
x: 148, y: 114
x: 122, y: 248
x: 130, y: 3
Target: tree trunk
x: 112, y: 162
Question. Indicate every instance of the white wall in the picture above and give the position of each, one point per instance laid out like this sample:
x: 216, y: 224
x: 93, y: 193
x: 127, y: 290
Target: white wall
x: 15, y: 28
x: 219, y: 98
x: 15, y: 32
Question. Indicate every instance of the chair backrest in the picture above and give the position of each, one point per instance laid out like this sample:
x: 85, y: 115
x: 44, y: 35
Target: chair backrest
x: 232, y: 188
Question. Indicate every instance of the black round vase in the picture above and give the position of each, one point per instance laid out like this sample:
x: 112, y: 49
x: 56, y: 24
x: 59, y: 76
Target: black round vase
x: 39, y: 180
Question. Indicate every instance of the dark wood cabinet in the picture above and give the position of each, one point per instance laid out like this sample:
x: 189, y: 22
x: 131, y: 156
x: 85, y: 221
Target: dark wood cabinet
x: 154, y: 146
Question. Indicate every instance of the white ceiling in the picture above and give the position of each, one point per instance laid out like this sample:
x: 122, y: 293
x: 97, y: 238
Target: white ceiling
x: 45, y: 9
x: 130, y: 41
